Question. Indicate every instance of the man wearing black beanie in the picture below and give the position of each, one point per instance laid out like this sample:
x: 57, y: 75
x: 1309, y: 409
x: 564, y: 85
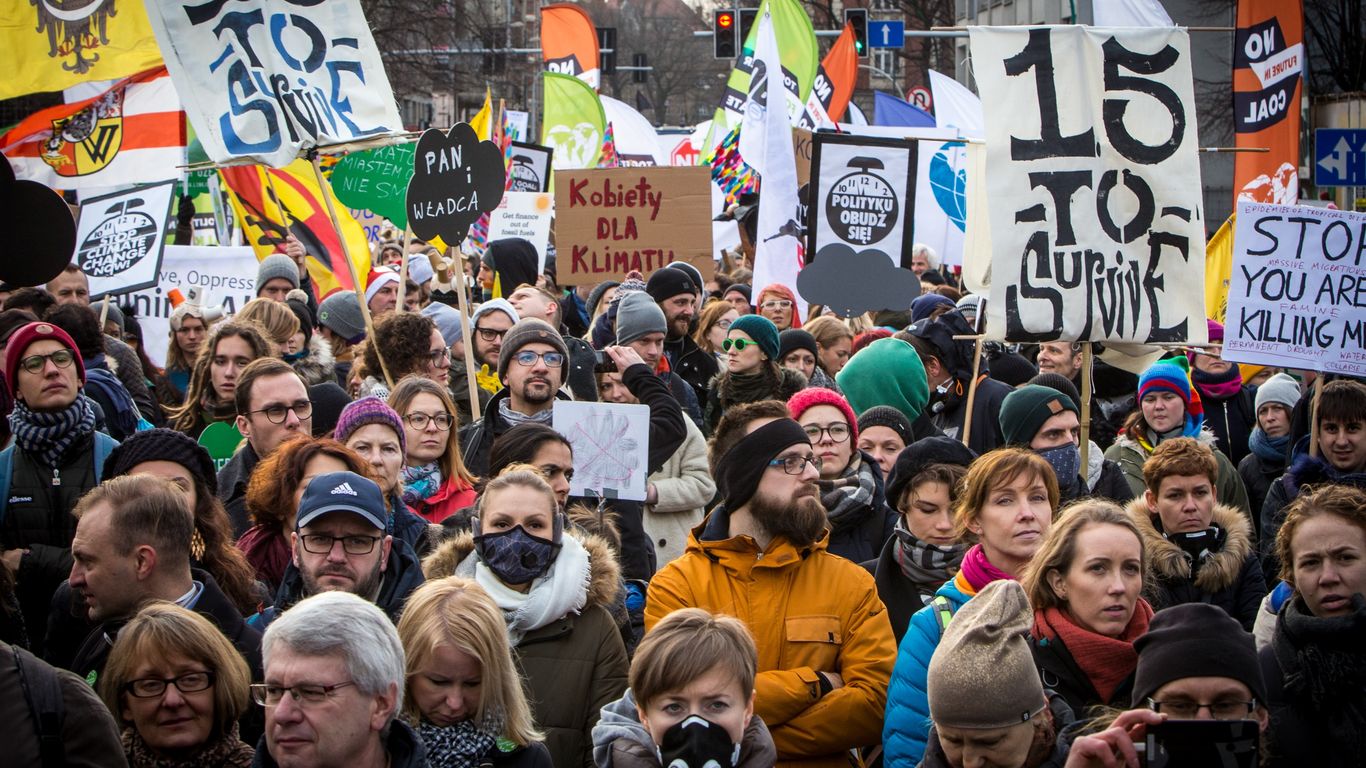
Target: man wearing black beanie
x: 676, y: 293
x: 825, y: 644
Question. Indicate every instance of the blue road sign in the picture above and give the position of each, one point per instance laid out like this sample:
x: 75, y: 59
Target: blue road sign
x: 886, y: 34
x: 1339, y: 156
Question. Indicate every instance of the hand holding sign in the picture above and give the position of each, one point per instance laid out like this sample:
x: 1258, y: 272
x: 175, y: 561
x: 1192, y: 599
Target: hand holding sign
x: 456, y: 179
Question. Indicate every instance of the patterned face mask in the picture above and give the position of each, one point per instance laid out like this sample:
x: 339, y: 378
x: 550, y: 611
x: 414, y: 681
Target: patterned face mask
x: 697, y: 743
x: 515, y: 556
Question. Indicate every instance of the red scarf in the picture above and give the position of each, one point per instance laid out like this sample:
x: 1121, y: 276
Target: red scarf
x: 1107, y: 661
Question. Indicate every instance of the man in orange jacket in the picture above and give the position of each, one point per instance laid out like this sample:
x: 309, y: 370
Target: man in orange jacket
x: 825, y: 644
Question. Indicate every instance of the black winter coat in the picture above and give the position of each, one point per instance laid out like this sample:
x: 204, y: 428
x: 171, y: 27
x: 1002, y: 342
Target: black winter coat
x: 1230, y: 578
x: 692, y: 364
x: 1258, y: 474
x: 1063, y: 676
x: 232, y: 487
x: 1315, y: 674
x: 1304, y: 470
x: 986, y: 414
x: 582, y: 383
x: 1232, y: 420
x: 902, y: 596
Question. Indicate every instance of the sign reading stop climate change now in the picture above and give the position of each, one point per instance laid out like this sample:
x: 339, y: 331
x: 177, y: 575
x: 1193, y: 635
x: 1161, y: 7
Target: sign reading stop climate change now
x: 609, y: 222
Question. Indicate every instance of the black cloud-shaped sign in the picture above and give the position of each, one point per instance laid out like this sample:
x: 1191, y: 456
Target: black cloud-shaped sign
x: 852, y: 282
x: 40, y: 232
x: 456, y: 179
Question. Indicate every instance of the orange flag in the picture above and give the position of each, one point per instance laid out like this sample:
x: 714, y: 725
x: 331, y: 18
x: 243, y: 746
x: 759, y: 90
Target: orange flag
x: 1268, y: 67
x: 569, y: 42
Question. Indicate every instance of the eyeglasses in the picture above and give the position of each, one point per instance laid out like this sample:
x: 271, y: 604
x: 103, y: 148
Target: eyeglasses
x: 276, y: 414
x: 62, y: 358
x: 724, y: 324
x: 321, y: 543
x: 795, y: 465
x: 152, y: 687
x: 776, y: 304
x: 838, y: 432
x: 437, y: 355
x: 419, y: 420
x: 529, y: 358
x: 271, y: 695
x: 1183, y: 709
x: 489, y: 334
x: 739, y: 344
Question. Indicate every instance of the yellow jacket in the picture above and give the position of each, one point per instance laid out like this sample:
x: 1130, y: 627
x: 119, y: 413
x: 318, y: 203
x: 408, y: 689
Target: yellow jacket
x: 809, y: 611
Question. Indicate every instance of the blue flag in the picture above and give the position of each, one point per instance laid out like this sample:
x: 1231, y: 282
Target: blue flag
x: 888, y: 110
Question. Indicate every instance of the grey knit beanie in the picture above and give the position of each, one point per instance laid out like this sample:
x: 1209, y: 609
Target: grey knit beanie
x: 341, y: 313
x: 1281, y: 389
x: 637, y: 316
x: 982, y: 675
x: 529, y: 331
x: 276, y: 265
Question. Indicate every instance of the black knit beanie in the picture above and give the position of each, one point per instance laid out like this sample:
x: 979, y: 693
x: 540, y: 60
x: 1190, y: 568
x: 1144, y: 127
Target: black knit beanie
x: 162, y: 445
x: 329, y: 400
x: 793, y: 339
x: 664, y: 284
x: 915, y: 457
x: 1195, y: 640
x: 743, y: 466
x: 889, y: 417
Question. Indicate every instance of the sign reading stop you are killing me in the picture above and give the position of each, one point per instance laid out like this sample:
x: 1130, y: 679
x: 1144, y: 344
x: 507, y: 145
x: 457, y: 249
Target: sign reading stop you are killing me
x: 1096, y: 223
x: 1297, y: 293
x: 614, y: 220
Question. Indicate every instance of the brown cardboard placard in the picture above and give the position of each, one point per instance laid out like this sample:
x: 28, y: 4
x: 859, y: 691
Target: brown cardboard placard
x: 614, y: 220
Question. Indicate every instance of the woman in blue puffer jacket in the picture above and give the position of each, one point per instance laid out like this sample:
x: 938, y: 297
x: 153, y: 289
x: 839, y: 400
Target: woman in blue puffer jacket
x: 1008, y: 500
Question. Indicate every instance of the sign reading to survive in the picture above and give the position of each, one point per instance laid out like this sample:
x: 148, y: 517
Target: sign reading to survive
x: 1297, y: 293
x: 265, y: 79
x: 611, y: 221
x: 1096, y: 221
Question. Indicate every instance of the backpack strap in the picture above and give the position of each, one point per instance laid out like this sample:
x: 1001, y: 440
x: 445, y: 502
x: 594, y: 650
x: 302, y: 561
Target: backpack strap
x: 943, y: 611
x: 43, y: 693
x: 104, y: 445
x: 6, y: 474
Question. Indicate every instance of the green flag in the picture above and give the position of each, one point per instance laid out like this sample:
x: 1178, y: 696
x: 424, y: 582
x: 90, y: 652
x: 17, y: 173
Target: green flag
x: 801, y: 59
x: 376, y: 180
x: 573, y: 123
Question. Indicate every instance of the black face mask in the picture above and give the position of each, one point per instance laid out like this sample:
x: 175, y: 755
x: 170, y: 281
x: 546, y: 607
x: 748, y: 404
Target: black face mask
x: 697, y: 743
x: 515, y: 556
x: 1198, y: 546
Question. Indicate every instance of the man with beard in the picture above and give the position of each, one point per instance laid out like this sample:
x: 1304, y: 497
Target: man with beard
x: 340, y: 543
x: 531, y: 365
x: 761, y: 556
x: 676, y: 291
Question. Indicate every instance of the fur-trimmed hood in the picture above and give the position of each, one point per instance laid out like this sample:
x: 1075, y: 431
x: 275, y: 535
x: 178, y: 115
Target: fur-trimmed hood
x: 605, y: 574
x: 318, y: 365
x: 1221, y: 571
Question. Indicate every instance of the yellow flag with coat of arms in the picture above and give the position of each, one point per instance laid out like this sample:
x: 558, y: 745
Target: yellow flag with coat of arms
x: 51, y: 45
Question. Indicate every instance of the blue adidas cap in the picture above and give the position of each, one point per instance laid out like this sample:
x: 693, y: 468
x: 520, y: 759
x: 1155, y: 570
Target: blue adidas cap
x: 341, y: 492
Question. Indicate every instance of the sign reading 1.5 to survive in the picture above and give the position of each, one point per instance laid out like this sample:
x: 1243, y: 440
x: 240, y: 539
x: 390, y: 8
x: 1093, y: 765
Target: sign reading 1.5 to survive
x: 1096, y: 223
x: 611, y: 221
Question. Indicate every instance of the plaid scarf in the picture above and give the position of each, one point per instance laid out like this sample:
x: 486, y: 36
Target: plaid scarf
x: 455, y: 746
x: 846, y: 497
x: 48, y: 434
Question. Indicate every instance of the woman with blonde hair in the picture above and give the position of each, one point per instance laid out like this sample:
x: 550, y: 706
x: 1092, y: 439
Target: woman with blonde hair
x: 1008, y: 500
x: 464, y: 696
x: 556, y: 587
x: 834, y: 342
x: 277, y: 320
x: 178, y: 687
x: 436, y: 483
x: 213, y: 382
x: 1084, y: 585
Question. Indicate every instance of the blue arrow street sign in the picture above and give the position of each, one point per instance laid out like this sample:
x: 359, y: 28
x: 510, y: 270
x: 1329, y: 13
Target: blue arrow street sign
x: 1339, y: 156
x: 886, y: 34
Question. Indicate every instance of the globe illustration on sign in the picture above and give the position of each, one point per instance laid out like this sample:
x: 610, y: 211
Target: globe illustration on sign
x: 575, y: 146
x: 949, y: 182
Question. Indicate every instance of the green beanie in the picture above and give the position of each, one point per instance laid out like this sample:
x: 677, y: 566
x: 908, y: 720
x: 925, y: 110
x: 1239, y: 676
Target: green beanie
x: 886, y: 372
x: 762, y: 330
x: 1025, y: 410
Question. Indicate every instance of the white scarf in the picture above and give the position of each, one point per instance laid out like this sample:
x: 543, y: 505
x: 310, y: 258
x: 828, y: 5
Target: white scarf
x: 561, y: 591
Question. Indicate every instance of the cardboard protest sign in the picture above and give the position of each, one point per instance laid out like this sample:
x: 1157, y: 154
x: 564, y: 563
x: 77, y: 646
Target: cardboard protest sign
x: 611, y: 442
x: 1096, y: 223
x: 265, y: 79
x: 226, y: 276
x: 530, y: 169
x: 1297, y: 293
x: 456, y: 179
x: 526, y: 215
x: 376, y: 180
x: 611, y: 221
x: 119, y: 238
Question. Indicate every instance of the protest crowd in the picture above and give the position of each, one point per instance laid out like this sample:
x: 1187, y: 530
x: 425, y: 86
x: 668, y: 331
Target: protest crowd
x: 499, y: 500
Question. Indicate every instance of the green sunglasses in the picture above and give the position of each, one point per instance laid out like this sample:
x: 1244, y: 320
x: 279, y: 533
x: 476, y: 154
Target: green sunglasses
x: 739, y: 344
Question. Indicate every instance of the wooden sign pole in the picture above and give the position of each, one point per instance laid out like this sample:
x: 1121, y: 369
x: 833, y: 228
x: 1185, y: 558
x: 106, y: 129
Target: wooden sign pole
x: 972, y: 389
x: 351, y: 268
x: 458, y: 281
x: 1314, y: 417
x: 1087, y: 359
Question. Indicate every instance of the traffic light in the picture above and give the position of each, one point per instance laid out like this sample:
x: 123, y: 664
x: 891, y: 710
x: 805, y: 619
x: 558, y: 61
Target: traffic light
x: 607, y: 46
x: 858, y: 18
x: 723, y: 34
x: 747, y: 18
x: 639, y: 62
